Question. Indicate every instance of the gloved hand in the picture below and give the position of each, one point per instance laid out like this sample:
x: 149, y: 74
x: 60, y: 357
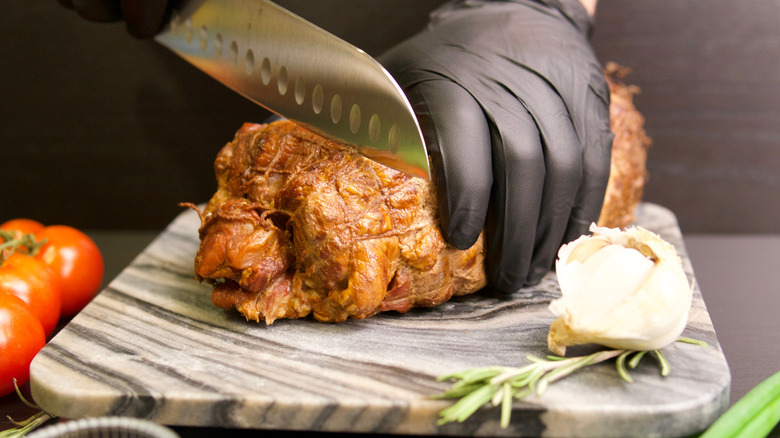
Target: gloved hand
x: 515, y: 112
x: 144, y: 18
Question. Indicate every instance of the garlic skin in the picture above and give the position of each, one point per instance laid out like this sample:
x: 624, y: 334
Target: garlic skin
x: 620, y: 289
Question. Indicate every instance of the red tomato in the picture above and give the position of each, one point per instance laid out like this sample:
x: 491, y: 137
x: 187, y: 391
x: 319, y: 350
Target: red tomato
x: 76, y: 261
x: 25, y: 226
x: 33, y: 282
x: 21, y: 338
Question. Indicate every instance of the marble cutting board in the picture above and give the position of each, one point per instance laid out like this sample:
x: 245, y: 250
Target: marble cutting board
x: 152, y: 345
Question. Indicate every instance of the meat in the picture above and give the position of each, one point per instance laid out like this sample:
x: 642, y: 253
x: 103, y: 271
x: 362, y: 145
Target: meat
x: 302, y: 226
x: 628, y: 174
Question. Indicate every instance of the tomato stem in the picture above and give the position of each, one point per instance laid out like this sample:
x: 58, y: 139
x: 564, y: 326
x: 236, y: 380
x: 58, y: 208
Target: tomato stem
x: 24, y: 427
x: 13, y: 241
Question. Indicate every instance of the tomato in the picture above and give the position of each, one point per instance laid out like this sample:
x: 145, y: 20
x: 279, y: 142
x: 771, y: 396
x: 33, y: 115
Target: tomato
x: 33, y: 282
x: 21, y: 338
x: 77, y: 263
x: 25, y: 226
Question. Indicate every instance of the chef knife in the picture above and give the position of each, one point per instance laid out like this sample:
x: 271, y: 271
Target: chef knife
x: 303, y: 73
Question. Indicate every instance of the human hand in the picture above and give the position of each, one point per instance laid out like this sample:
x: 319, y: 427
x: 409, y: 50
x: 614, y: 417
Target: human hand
x: 144, y: 18
x: 514, y: 108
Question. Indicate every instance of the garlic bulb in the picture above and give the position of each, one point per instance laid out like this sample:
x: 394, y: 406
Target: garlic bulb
x: 620, y: 289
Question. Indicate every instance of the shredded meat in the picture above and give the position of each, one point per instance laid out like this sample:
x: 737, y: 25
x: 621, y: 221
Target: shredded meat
x: 303, y: 226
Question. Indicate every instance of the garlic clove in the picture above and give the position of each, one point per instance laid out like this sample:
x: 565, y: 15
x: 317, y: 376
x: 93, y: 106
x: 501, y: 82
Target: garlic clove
x: 621, y: 289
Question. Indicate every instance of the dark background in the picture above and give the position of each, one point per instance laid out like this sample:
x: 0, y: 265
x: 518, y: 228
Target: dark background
x: 102, y: 131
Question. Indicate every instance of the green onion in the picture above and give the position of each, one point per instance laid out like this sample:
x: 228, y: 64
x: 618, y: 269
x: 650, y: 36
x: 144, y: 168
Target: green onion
x: 754, y: 415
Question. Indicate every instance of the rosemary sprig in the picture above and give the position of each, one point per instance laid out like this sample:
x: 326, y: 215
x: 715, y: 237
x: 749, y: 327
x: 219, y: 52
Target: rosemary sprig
x: 496, y: 385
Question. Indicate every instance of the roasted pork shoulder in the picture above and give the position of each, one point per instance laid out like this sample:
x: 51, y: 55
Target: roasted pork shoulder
x: 300, y: 225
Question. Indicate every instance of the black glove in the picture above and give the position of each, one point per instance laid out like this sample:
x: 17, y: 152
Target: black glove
x: 144, y: 18
x: 514, y: 108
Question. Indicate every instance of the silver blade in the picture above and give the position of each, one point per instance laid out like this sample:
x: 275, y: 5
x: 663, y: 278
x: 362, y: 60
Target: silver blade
x: 302, y: 73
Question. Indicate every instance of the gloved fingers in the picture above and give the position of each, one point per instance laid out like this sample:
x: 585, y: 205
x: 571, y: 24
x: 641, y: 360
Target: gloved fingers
x: 530, y: 70
x: 144, y: 18
x: 563, y: 164
x: 564, y: 176
x: 458, y: 140
x: 519, y: 172
x: 98, y: 10
x: 596, y: 167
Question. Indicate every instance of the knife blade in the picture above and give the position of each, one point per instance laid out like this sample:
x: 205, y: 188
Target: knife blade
x: 303, y: 73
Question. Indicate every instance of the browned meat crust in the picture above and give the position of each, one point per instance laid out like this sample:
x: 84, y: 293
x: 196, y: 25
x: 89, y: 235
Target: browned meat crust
x: 301, y: 225
x: 628, y: 174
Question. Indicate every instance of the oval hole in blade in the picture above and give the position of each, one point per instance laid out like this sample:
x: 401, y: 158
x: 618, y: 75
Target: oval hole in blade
x: 393, y: 139
x: 203, y: 36
x: 354, y: 118
x: 249, y: 62
x: 188, y: 32
x: 281, y: 81
x: 374, y: 128
x: 218, y: 45
x: 317, y: 98
x: 234, y: 53
x: 335, y: 108
x: 300, y: 90
x: 175, y: 21
x: 265, y: 71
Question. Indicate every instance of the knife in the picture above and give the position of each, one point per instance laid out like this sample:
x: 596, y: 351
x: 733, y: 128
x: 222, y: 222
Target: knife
x: 302, y: 73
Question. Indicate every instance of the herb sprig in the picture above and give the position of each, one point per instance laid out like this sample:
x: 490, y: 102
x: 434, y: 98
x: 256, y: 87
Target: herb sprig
x: 500, y: 386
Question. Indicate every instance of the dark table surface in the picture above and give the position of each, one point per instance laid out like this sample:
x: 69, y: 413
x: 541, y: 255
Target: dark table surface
x: 739, y: 276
